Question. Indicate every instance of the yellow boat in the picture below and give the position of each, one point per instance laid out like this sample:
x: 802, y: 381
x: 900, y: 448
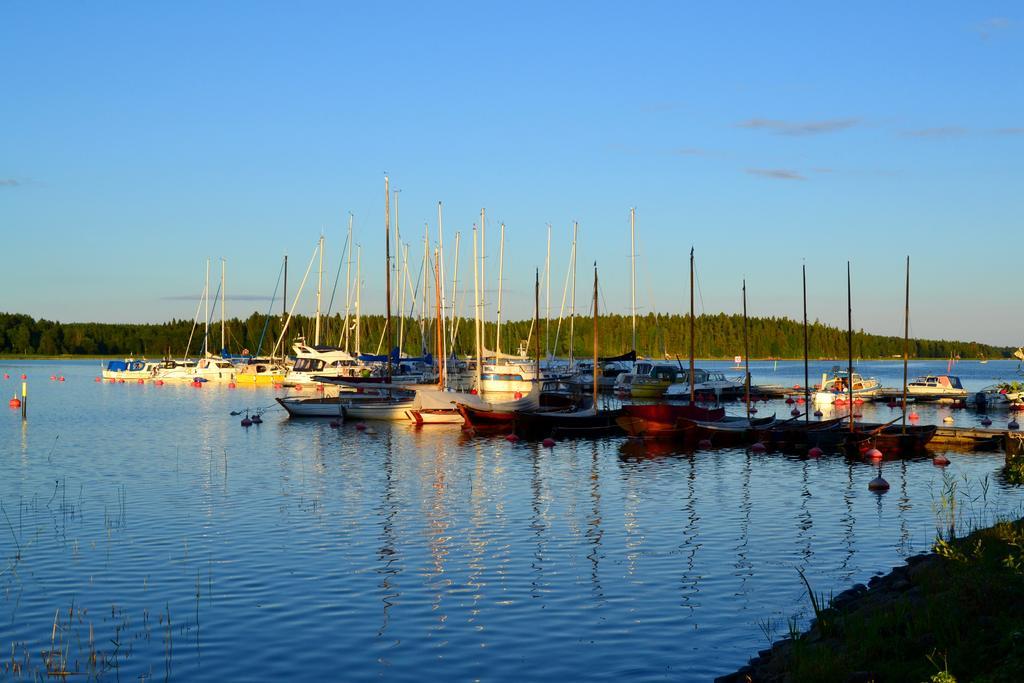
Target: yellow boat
x: 650, y: 380
x: 259, y: 372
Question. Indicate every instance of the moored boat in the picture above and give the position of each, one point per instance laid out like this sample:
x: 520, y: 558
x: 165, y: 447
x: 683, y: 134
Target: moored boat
x: 130, y: 369
x: 837, y: 387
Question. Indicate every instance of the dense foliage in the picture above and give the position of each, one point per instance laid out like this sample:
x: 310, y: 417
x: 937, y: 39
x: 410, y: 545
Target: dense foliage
x: 717, y: 336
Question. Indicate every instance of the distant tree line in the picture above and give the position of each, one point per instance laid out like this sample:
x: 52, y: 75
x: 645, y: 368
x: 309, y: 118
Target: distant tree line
x: 658, y: 336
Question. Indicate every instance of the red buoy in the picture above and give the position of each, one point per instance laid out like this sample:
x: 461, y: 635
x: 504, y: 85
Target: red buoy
x: 334, y: 424
x: 789, y: 400
x: 704, y: 443
x: 361, y: 426
x: 319, y: 387
x: 141, y: 381
x: 112, y: 380
x: 231, y: 385
x: 53, y: 378
x: 753, y: 410
x: 98, y: 379
x: 874, y: 454
x: 818, y: 413
x: 159, y: 382
x: 940, y: 460
x: 891, y: 404
x: 512, y: 438
x: 24, y: 376
x: 6, y: 376
x: 246, y: 421
x: 758, y: 447
x: 298, y: 387
x: 814, y: 452
x: 518, y: 395
x: 14, y: 402
x: 61, y: 378
x: 473, y: 392
x: 548, y: 443
x: 120, y: 381
x: 858, y: 400
x: 913, y: 416
x: 800, y: 400
x: 794, y: 412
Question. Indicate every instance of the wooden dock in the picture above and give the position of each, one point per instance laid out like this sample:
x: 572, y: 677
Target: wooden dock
x: 970, y: 438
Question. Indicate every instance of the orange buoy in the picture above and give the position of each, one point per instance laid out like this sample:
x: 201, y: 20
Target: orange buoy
x: 159, y: 382
x: 913, y: 416
x: 97, y: 379
x: 14, y: 402
x: 141, y: 381
x: 518, y: 395
x: 231, y: 385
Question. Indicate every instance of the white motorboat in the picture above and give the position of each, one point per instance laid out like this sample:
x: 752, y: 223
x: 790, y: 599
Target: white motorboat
x: 707, y: 383
x: 212, y: 369
x: 130, y: 369
x: 942, y: 388
x: 838, y: 387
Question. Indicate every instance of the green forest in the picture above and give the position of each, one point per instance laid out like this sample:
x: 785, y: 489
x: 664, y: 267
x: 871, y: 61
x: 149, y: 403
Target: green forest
x: 658, y: 336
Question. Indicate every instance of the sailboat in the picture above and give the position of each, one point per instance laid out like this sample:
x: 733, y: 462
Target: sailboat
x: 583, y: 420
x: 209, y: 368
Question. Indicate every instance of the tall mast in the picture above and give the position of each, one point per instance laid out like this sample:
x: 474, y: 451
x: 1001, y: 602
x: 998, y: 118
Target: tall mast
x: 348, y: 281
x: 403, y: 277
x: 906, y: 341
x: 572, y: 302
x: 359, y: 289
x: 437, y: 324
x: 284, y: 297
x: 849, y: 340
x: 442, y: 363
x: 476, y: 309
x: 807, y: 379
x: 536, y: 319
x: 223, y: 298
x: 632, y: 261
x: 387, y: 273
x: 206, y: 313
x: 693, y: 327
x: 455, y: 290
x: 319, y: 287
x: 746, y: 353
x: 483, y: 278
x: 396, y: 264
x: 594, y: 390
x: 426, y: 269
x: 501, y: 272
x: 547, y: 293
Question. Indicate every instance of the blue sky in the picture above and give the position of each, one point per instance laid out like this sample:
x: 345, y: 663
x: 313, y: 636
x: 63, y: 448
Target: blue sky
x: 141, y: 138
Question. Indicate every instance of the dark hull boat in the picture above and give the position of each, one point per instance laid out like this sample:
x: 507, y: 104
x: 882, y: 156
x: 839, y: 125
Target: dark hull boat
x: 583, y: 423
x: 733, y: 431
x: 792, y: 434
x: 890, y: 439
x: 664, y: 421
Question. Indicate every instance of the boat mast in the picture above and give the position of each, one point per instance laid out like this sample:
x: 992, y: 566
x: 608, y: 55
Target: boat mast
x: 476, y: 308
x: 536, y: 318
x: 455, y: 290
x: 284, y: 296
x: 746, y: 353
x: 547, y: 294
x: 906, y: 340
x: 359, y: 289
x: 348, y: 281
x: 692, y: 328
x: 594, y: 390
x: 403, y: 277
x: 442, y: 363
x: 849, y: 341
x: 437, y: 325
x: 206, y: 313
x: 807, y: 388
x: 426, y: 269
x: 483, y: 279
x: 572, y: 300
x: 501, y: 272
x: 387, y: 273
x: 223, y: 298
x: 632, y: 272
x: 319, y: 287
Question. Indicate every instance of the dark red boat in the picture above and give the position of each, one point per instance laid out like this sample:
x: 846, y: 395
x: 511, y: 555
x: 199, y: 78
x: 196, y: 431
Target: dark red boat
x: 664, y: 421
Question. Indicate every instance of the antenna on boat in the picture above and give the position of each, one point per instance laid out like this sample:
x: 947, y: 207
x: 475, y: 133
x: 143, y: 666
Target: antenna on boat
x: 632, y: 271
x: 387, y: 272
x: 906, y: 338
x: 807, y: 388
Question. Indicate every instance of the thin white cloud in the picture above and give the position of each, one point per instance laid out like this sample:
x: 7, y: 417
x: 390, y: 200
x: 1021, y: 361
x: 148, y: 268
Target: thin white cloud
x: 940, y: 132
x: 797, y: 128
x: 776, y: 173
x: 10, y: 182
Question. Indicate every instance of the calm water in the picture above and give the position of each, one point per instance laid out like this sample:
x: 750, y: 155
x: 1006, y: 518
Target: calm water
x: 293, y: 550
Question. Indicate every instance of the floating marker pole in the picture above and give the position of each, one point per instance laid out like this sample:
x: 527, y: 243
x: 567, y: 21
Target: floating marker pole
x: 24, y: 400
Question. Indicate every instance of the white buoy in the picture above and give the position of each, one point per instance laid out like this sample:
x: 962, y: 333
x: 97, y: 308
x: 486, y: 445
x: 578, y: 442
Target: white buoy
x: 948, y: 419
